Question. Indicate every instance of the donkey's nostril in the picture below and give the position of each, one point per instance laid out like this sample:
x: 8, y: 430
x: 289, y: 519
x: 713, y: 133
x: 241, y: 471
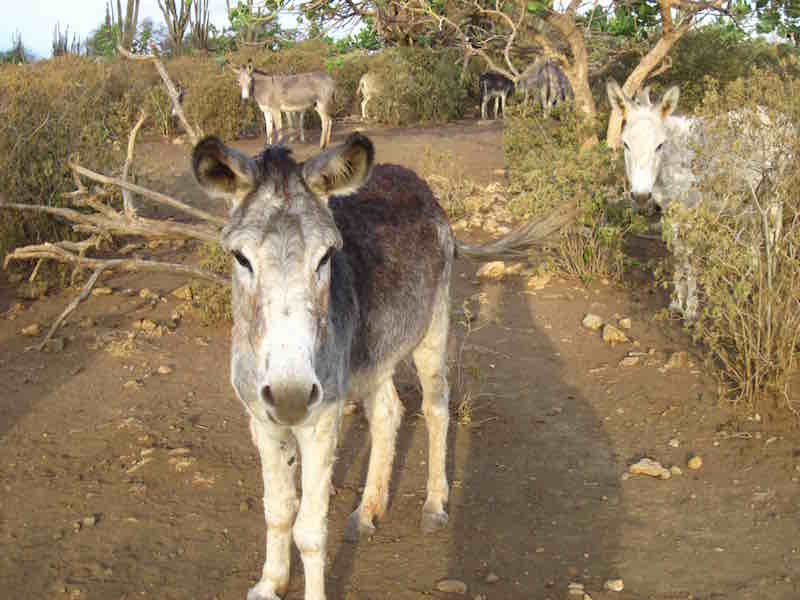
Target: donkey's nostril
x: 313, y: 397
x: 266, y: 395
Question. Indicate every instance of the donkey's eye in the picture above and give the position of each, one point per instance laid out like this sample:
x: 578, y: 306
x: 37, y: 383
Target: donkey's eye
x: 325, y: 260
x: 660, y: 147
x: 625, y: 145
x: 242, y: 260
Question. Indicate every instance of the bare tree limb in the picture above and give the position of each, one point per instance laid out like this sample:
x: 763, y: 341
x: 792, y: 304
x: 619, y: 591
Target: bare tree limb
x: 127, y: 198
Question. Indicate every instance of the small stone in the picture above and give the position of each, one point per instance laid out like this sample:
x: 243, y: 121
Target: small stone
x: 452, y: 586
x: 492, y: 270
x: 675, y: 470
x: 164, y: 370
x: 131, y: 384
x: 145, y: 325
x: 612, y: 335
x: 575, y: 589
x: 146, y: 294
x: 492, y: 578
x: 592, y: 322
x: 695, y: 463
x: 677, y: 360
x: 183, y: 293
x: 87, y: 323
x: 647, y: 466
x: 614, y: 585
x: 349, y: 409
x: 629, y: 361
x: 90, y: 521
x: 514, y: 269
x: 625, y: 323
x: 674, y: 443
x: 31, y: 330
x: 102, y: 291
x: 244, y: 506
x: 538, y: 282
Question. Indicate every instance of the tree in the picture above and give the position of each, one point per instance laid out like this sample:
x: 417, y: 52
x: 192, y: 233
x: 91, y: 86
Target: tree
x: 176, y: 16
x: 125, y: 25
x: 18, y: 54
x: 255, y: 23
x: 781, y: 17
x: 200, y: 25
x: 61, y: 42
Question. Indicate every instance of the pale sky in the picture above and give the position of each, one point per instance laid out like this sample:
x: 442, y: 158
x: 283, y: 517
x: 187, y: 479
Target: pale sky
x: 36, y: 19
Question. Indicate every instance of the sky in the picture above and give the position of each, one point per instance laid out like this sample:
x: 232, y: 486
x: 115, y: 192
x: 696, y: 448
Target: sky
x: 36, y: 19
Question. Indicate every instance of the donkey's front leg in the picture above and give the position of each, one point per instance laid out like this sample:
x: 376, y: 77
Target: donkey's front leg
x: 278, y: 451
x: 317, y: 451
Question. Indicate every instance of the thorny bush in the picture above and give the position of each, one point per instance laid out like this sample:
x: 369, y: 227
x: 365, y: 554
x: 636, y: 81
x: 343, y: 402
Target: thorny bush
x: 744, y: 243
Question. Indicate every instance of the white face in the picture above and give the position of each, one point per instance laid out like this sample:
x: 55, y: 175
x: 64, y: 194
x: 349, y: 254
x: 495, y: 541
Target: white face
x: 245, y: 82
x: 643, y: 139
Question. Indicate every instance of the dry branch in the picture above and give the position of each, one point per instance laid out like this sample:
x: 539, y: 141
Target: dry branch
x: 127, y: 198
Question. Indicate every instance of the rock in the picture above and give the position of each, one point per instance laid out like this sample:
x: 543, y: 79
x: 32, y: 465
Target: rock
x: 492, y: 578
x: 90, y: 521
x: 575, y: 589
x: 184, y: 293
x: 675, y: 470
x: 514, y: 269
x: 87, y: 323
x: 55, y: 344
x: 592, y: 322
x: 612, y: 335
x: 677, y: 360
x: 647, y: 466
x: 452, y: 586
x: 164, y: 370
x: 31, y: 330
x: 674, y: 443
x: 492, y: 270
x: 131, y: 384
x: 499, y: 172
x: 146, y: 294
x: 614, y: 585
x: 538, y: 282
x: 695, y: 463
x: 102, y: 291
x: 629, y: 361
x: 625, y: 323
x: 145, y: 325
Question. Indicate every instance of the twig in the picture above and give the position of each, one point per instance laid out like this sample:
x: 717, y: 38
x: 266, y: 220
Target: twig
x: 127, y: 198
x: 85, y: 291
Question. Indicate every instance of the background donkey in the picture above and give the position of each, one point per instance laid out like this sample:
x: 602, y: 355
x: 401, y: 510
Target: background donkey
x: 328, y: 296
x: 666, y: 154
x: 289, y: 93
x: 548, y: 84
x: 369, y: 87
x: 497, y: 87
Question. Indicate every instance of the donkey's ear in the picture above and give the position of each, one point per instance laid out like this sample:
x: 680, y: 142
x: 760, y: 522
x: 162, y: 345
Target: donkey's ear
x: 669, y: 102
x: 643, y: 96
x: 341, y: 170
x: 616, y: 97
x: 223, y: 172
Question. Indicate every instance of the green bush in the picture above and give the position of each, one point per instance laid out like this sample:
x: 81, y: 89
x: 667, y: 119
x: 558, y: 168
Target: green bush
x: 50, y: 111
x: 418, y: 85
x: 346, y: 70
x: 748, y: 277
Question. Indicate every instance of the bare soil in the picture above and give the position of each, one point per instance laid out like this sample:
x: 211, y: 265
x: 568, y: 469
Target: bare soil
x: 118, y: 482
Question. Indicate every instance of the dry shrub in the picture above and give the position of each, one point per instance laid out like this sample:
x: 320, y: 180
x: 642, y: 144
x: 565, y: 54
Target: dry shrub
x: 347, y: 69
x: 50, y: 111
x: 458, y: 195
x: 748, y: 269
x: 419, y: 84
x: 547, y: 172
x: 214, y: 301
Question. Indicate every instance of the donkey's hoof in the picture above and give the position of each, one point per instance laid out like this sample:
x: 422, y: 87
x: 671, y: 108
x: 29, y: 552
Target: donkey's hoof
x: 263, y: 590
x: 356, y: 528
x: 433, y: 521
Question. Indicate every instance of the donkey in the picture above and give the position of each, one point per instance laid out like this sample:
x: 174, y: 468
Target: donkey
x: 341, y: 270
x: 494, y: 86
x: 289, y: 93
x: 665, y: 153
x: 547, y: 82
x: 369, y: 86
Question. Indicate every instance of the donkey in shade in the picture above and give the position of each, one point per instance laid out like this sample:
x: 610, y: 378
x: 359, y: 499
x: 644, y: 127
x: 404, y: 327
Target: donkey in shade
x: 667, y: 155
x: 341, y: 270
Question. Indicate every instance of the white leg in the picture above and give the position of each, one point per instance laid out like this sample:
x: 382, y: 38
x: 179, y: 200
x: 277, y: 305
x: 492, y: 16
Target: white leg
x: 364, y: 108
x: 384, y: 413
x: 496, y: 106
x: 269, y: 125
x: 278, y: 451
x: 690, y: 312
x: 503, y: 104
x: 302, y: 128
x: 484, y: 102
x: 430, y: 358
x: 277, y: 119
x: 317, y: 451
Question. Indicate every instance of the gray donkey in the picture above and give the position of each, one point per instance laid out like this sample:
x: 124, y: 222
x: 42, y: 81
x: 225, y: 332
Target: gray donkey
x: 666, y: 155
x: 341, y: 271
x: 289, y: 93
x: 547, y: 82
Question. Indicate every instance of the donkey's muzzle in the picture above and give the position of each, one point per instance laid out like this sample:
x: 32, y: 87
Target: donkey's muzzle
x: 290, y: 403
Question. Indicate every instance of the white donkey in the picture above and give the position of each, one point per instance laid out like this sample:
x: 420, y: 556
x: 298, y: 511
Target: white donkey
x: 329, y: 294
x: 289, y: 93
x: 666, y: 155
x: 369, y: 87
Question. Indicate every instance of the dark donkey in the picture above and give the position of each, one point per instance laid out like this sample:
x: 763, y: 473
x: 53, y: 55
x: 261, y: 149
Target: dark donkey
x: 329, y: 294
x: 499, y: 87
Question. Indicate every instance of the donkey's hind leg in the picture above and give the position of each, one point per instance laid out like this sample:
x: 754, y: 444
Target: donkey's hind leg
x: 384, y: 413
x: 430, y: 358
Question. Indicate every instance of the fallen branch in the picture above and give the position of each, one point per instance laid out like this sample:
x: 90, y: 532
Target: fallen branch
x: 194, y: 136
x: 127, y: 198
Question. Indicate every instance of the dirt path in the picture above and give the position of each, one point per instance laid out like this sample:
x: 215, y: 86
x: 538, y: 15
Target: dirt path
x: 121, y: 482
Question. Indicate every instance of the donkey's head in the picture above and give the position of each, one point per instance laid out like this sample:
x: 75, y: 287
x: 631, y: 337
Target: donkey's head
x: 283, y: 239
x: 246, y: 79
x: 644, y: 135
x: 181, y: 98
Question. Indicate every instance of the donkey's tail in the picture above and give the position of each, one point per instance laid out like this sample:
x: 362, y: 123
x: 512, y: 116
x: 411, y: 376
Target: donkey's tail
x: 518, y: 242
